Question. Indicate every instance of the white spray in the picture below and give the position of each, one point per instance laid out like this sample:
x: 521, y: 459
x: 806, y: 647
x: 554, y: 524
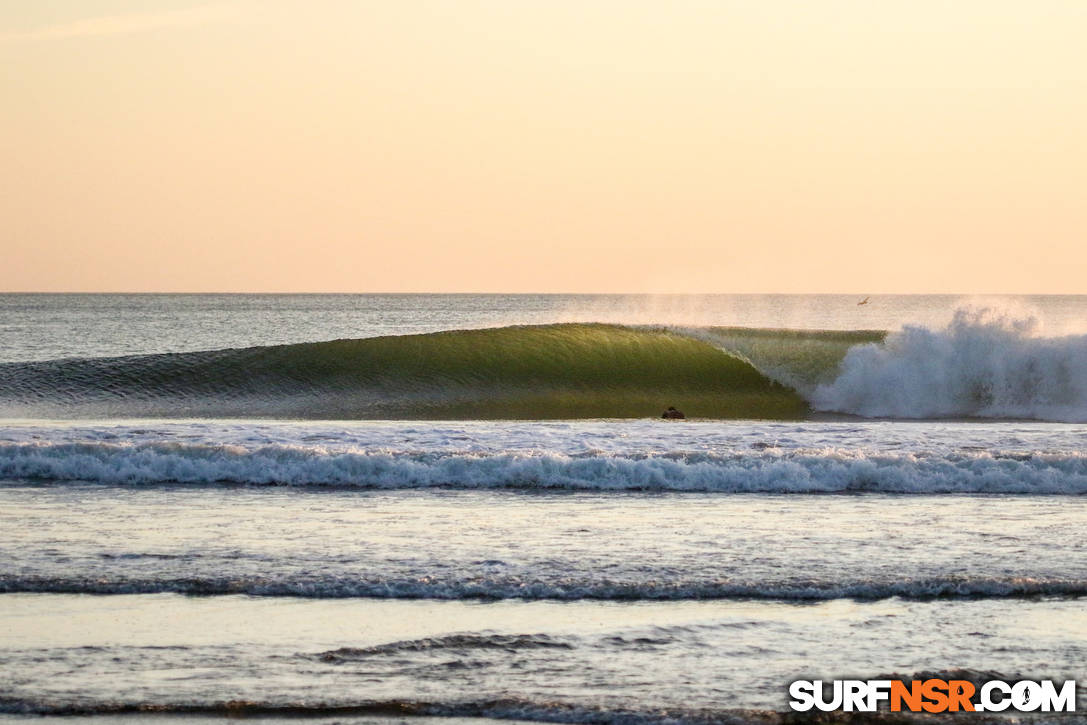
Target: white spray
x: 985, y: 363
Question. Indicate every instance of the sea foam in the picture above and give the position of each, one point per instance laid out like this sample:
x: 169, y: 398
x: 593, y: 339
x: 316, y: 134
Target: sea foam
x: 828, y: 470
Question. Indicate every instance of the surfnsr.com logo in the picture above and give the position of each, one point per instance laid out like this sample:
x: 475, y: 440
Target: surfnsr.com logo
x: 932, y: 696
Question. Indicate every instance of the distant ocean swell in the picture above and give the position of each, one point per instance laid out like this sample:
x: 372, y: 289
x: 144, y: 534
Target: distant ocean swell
x: 542, y: 587
x: 981, y: 365
x: 763, y: 471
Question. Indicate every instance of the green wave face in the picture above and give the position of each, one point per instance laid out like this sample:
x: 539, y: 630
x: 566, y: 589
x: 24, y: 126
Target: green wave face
x: 800, y: 359
x: 577, y: 371
x: 533, y: 372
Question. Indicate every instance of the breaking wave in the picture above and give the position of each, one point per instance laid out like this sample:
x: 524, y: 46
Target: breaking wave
x: 573, y: 588
x: 768, y: 470
x: 982, y: 365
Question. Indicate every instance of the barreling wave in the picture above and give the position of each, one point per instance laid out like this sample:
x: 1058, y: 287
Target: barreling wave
x: 769, y: 470
x: 982, y: 365
x: 567, y: 589
x: 531, y: 372
x: 799, y: 359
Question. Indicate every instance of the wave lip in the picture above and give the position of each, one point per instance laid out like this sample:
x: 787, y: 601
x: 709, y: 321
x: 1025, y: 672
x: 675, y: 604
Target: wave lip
x: 758, y: 471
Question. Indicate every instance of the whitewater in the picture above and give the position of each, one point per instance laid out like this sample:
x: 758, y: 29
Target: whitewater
x: 378, y: 508
x: 1041, y: 459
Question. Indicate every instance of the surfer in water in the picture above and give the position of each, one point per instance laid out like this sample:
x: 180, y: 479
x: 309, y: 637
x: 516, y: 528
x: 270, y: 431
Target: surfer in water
x: 673, y: 414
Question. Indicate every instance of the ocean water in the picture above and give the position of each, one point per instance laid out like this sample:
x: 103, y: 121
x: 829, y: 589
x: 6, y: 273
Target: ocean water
x: 396, y: 508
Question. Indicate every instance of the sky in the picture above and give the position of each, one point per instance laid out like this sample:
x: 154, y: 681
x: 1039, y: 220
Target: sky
x: 899, y: 146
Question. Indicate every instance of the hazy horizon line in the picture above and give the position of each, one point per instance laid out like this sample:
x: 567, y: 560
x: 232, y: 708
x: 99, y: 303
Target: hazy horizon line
x: 557, y: 294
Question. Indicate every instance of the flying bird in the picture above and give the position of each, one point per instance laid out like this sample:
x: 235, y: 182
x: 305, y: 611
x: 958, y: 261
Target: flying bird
x: 863, y: 302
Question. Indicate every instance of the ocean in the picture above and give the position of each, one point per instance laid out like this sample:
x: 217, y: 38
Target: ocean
x: 389, y: 508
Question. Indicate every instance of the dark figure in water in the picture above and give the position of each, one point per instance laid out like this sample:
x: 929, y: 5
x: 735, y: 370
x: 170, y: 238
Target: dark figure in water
x: 673, y: 414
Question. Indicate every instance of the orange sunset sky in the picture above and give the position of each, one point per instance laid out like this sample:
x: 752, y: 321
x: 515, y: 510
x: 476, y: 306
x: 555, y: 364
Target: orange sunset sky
x: 553, y: 146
